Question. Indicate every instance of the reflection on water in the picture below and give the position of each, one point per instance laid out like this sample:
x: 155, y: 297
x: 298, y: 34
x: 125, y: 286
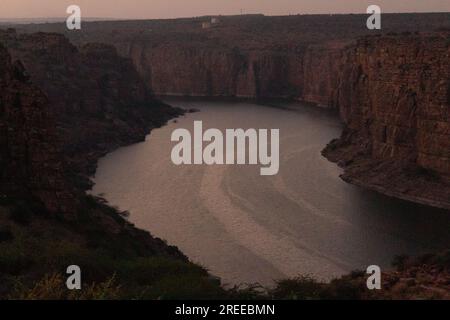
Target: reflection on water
x: 245, y: 227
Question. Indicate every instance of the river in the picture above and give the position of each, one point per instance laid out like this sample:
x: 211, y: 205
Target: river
x: 248, y: 228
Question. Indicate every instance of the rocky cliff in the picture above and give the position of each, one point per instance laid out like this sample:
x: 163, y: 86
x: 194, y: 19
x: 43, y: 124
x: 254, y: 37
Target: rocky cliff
x: 98, y: 100
x: 394, y: 99
x: 197, y: 69
x: 31, y: 164
x: 204, y: 71
x: 91, y: 102
x: 251, y: 56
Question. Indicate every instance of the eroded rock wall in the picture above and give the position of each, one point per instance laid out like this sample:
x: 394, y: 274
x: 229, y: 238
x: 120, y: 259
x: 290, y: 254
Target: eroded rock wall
x: 394, y: 99
x: 30, y: 159
x: 97, y: 98
x: 304, y: 73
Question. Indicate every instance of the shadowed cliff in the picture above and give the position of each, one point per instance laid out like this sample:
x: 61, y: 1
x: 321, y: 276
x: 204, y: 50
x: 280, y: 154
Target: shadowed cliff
x: 97, y: 98
x: 31, y: 162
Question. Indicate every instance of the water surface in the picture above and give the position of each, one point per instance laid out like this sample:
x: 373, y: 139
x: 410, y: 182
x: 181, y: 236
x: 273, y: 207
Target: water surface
x: 248, y: 228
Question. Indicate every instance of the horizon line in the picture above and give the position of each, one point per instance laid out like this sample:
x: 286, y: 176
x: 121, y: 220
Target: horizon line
x: 223, y: 15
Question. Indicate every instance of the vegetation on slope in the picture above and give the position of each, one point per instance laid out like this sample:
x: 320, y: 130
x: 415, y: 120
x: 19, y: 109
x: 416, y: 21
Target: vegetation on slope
x: 36, y: 248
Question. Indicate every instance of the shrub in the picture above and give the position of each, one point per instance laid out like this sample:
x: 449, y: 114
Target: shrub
x: 344, y: 289
x: 301, y: 288
x: 53, y: 287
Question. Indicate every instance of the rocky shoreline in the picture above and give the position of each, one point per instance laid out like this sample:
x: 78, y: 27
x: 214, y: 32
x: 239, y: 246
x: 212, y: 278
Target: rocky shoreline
x: 357, y: 174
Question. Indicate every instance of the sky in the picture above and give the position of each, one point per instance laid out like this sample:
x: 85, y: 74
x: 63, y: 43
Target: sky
x: 151, y: 9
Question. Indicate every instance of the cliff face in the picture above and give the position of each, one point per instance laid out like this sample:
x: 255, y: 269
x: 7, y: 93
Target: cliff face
x: 98, y: 99
x: 394, y: 99
x: 197, y: 69
x: 244, y: 56
x: 30, y: 161
x: 322, y: 68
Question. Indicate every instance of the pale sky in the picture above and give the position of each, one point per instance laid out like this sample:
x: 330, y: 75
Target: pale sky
x: 142, y: 9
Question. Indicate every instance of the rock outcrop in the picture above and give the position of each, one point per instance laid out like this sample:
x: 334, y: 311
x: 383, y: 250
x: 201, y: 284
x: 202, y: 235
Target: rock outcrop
x: 31, y: 164
x: 394, y: 99
x: 89, y: 101
x: 98, y: 100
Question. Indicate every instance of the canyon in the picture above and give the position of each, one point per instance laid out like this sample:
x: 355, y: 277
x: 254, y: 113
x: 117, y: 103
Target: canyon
x: 68, y: 98
x: 391, y: 88
x: 391, y: 91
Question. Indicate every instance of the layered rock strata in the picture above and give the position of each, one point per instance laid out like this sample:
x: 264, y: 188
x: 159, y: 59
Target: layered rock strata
x: 394, y: 99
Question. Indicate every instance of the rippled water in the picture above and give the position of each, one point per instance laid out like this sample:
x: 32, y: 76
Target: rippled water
x: 245, y: 227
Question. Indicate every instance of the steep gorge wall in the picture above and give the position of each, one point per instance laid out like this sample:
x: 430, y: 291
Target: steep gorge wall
x: 394, y: 99
x: 48, y: 134
x: 304, y: 73
x: 31, y: 164
x: 97, y: 98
